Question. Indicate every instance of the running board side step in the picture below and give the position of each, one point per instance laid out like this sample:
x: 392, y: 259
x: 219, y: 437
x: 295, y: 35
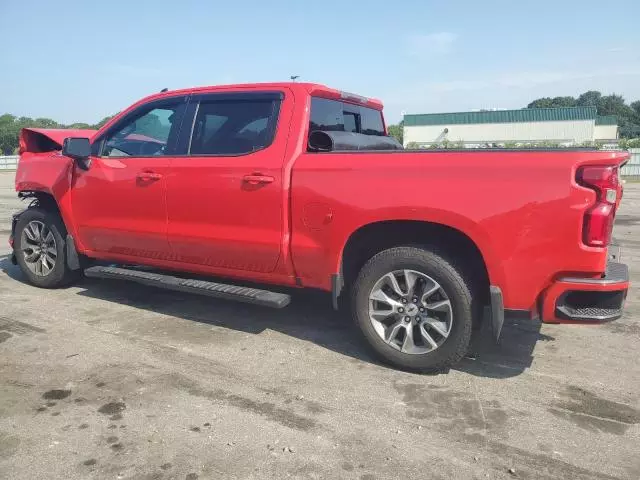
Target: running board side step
x: 200, y: 287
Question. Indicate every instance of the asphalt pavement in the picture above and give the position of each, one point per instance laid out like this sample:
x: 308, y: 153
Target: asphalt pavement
x: 115, y: 380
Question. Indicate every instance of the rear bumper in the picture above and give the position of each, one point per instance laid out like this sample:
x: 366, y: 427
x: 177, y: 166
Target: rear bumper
x: 587, y: 300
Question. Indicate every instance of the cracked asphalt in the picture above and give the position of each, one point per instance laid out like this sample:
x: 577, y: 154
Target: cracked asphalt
x: 115, y: 380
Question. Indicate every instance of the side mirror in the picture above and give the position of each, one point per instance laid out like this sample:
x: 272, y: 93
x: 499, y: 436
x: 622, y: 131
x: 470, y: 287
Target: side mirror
x: 79, y: 149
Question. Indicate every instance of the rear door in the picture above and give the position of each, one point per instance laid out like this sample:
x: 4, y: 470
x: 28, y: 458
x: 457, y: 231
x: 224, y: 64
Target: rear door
x: 225, y: 198
x: 119, y: 203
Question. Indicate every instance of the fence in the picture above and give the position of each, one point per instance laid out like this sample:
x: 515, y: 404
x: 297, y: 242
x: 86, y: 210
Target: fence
x: 8, y: 163
x: 632, y: 168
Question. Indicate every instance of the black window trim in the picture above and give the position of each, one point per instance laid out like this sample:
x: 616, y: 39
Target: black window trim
x: 357, y: 118
x: 164, y: 101
x: 191, y: 113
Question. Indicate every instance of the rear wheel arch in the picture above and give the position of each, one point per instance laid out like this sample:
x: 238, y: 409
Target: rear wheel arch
x: 368, y: 240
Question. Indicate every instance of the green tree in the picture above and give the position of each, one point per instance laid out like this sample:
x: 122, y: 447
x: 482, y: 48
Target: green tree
x: 102, y: 122
x: 6, y: 119
x: 556, y: 102
x: 46, y: 123
x: 545, y: 102
x: 397, y: 131
x: 628, y: 123
x: 589, y: 99
x: 9, y: 132
x: 614, y: 105
x: 628, y: 116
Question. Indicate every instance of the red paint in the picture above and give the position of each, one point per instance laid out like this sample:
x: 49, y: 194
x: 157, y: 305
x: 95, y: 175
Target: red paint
x: 226, y: 213
x: 282, y: 213
x: 528, y: 226
x: 119, y: 206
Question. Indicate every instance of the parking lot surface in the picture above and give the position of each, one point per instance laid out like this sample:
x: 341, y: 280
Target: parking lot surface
x: 116, y: 380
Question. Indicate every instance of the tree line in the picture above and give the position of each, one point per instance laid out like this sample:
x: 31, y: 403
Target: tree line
x: 627, y: 115
x: 10, y: 127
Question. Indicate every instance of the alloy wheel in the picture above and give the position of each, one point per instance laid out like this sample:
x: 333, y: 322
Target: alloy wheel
x: 38, y: 245
x: 410, y: 311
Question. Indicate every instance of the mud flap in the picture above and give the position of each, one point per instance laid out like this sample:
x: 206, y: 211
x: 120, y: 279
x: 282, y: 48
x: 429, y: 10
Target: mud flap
x: 73, y: 261
x: 497, y: 312
x: 337, y: 285
x: 12, y: 235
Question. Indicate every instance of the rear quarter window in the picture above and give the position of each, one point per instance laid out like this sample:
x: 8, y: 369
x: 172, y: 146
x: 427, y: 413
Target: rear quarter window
x: 332, y: 115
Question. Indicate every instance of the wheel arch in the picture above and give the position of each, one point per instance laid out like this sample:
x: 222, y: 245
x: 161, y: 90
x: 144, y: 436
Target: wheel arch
x: 374, y: 237
x: 46, y: 178
x: 42, y: 199
x: 47, y: 201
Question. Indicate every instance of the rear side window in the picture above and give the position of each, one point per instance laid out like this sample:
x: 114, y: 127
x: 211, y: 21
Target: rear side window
x: 333, y: 115
x: 233, y: 126
x: 371, y: 121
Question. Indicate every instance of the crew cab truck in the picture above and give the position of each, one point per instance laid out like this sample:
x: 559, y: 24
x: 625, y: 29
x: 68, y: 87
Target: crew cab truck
x: 297, y: 185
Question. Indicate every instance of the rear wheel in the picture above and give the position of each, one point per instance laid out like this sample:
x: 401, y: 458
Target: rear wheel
x: 40, y: 249
x: 414, y: 308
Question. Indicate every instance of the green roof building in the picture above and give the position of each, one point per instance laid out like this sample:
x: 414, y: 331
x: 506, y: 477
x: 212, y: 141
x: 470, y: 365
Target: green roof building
x: 526, y: 126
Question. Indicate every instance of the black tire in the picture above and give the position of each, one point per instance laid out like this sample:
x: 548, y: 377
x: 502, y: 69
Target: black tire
x: 60, y: 275
x: 429, y: 262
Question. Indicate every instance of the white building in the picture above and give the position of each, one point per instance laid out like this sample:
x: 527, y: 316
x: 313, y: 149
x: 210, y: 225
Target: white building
x: 563, y: 126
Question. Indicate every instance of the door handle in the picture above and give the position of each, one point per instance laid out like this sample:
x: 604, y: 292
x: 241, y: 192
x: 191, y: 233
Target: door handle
x: 256, y: 179
x: 149, y: 176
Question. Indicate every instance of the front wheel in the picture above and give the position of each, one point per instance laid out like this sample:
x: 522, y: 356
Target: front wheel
x: 40, y: 249
x: 414, y: 308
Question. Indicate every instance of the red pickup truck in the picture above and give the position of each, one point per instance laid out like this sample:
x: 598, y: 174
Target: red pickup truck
x: 298, y: 185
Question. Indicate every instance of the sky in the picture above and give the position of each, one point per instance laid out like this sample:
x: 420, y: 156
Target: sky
x: 79, y: 61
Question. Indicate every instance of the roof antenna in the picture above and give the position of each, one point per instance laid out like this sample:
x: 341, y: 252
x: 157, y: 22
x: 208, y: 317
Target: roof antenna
x: 294, y: 77
x: 165, y: 89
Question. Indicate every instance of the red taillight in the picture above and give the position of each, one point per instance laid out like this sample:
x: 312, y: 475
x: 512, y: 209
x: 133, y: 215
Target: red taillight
x: 22, y: 144
x: 598, y: 220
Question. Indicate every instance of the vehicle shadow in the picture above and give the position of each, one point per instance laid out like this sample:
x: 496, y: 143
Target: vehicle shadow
x: 512, y: 356
x: 310, y: 317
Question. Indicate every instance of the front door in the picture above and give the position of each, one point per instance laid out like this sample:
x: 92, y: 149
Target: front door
x: 119, y: 203
x: 225, y: 198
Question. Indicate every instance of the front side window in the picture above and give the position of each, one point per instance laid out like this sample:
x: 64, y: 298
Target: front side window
x: 148, y: 133
x: 233, y: 126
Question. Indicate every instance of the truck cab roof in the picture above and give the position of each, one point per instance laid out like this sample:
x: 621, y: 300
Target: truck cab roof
x: 312, y: 89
